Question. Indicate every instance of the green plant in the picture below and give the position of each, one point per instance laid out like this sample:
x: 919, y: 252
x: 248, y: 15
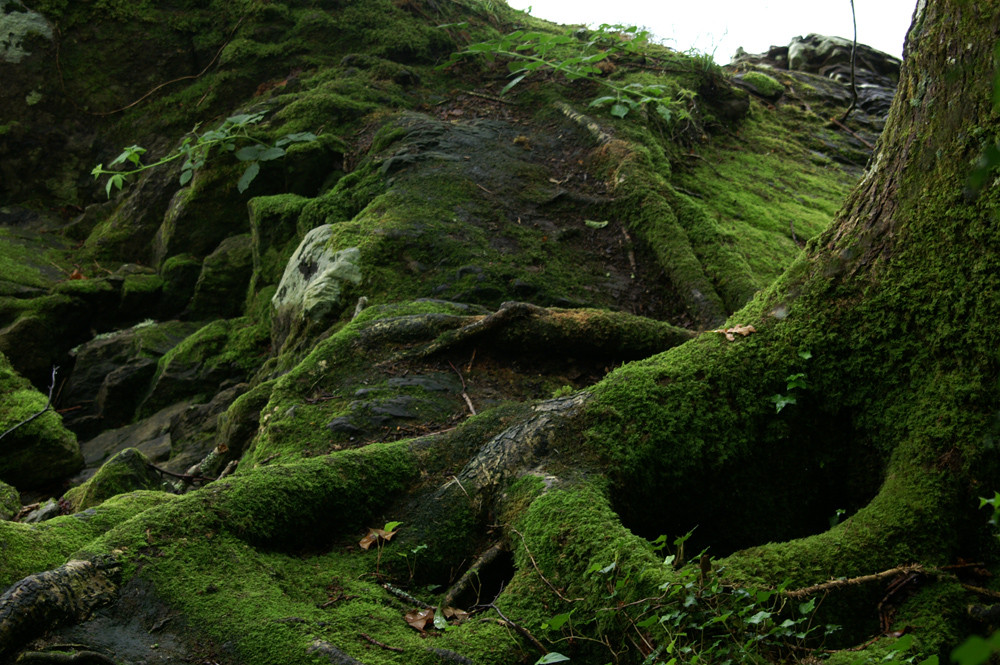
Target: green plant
x: 564, y: 54
x: 793, y: 382
x: 197, y: 148
x: 697, y: 618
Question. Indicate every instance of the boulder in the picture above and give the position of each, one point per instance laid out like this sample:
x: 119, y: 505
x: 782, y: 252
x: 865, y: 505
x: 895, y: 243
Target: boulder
x: 35, y: 450
x: 10, y: 502
x: 127, y: 471
x: 312, y: 288
x: 221, y: 288
x: 113, y: 372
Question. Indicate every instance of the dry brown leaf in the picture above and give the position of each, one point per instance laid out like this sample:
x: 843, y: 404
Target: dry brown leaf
x: 419, y: 618
x: 731, y: 333
x: 375, y: 535
x: 455, y: 613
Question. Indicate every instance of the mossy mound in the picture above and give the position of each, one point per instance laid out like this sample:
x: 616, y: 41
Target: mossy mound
x: 36, y: 449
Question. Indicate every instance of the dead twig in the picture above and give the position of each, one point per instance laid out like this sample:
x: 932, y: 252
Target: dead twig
x: 854, y: 581
x: 539, y: 571
x: 465, y: 395
x: 463, y: 583
x: 850, y: 131
x: 371, y: 639
x: 62, y: 80
x: 519, y: 628
x: 402, y: 595
x: 181, y: 476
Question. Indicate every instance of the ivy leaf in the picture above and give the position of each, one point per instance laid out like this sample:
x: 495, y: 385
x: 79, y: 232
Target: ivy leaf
x: 252, y: 170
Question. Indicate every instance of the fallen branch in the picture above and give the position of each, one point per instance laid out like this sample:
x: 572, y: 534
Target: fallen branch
x: 48, y: 405
x: 854, y: 581
x: 182, y: 476
x: 402, y: 595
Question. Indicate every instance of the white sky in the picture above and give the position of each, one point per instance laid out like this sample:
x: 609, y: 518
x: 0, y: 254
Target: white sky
x: 720, y: 26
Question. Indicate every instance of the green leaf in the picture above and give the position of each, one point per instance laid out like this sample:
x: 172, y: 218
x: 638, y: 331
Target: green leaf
x: 271, y: 153
x: 664, y: 112
x: 186, y: 176
x: 440, y: 622
x: 391, y: 526
x: 595, y: 225
x: 512, y: 84
x: 98, y: 171
x: 805, y: 354
x: 608, y: 568
x: 249, y: 153
x: 759, y: 618
x: 781, y: 401
x: 298, y: 137
x: 252, y: 170
x: 619, y: 110
x: 557, y: 622
x: 551, y: 657
x: 973, y: 651
x: 807, y: 607
x: 930, y: 660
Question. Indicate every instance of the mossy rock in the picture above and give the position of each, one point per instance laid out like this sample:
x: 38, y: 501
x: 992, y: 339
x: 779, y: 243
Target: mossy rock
x: 41, y: 450
x: 127, y: 471
x: 10, y: 502
x: 222, y: 285
x: 761, y: 84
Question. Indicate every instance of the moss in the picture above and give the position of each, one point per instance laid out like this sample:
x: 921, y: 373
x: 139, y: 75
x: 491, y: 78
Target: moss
x: 127, y: 471
x: 765, y: 85
x: 226, y: 349
x: 37, y: 448
x: 33, y: 548
x: 10, y: 502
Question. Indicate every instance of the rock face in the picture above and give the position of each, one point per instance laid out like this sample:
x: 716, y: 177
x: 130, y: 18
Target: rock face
x: 824, y: 65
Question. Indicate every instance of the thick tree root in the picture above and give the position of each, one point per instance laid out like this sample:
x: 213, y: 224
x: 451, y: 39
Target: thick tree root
x: 68, y: 593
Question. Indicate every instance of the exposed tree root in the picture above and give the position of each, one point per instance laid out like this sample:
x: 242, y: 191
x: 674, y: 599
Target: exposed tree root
x: 68, y: 593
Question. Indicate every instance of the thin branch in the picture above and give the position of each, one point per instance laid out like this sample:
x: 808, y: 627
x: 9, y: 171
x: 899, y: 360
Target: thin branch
x: 853, y: 581
x: 48, y: 405
x: 465, y: 395
x: 371, y: 639
x: 182, y: 476
x: 519, y: 628
x: 539, y: 571
x: 62, y: 80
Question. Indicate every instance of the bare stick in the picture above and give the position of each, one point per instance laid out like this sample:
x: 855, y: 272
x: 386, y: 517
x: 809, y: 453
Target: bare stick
x: 521, y: 629
x: 465, y: 395
x: 853, y: 581
x: 182, y: 476
x: 48, y: 404
x: 371, y: 639
x: 402, y: 595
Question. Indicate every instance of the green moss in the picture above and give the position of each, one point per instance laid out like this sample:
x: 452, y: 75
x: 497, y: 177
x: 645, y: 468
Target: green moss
x: 33, y: 548
x: 127, y: 471
x: 10, y: 502
x: 37, y: 448
x: 767, y: 86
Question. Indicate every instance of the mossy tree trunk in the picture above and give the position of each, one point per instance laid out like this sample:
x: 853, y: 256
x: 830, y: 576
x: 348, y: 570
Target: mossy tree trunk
x: 889, y: 319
